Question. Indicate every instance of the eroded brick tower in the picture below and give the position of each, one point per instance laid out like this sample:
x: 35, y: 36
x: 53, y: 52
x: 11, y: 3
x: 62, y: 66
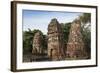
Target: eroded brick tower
x: 75, y: 45
x: 37, y: 43
x: 55, y: 40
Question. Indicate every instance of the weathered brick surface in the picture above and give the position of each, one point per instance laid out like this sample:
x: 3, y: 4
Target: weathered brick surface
x: 75, y: 45
x: 55, y: 40
x: 37, y: 43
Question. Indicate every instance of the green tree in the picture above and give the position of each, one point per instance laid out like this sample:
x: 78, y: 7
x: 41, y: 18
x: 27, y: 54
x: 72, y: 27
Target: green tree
x: 66, y: 30
x: 85, y: 19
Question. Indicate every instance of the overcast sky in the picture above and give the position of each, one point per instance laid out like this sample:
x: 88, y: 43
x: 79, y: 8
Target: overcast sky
x: 40, y: 19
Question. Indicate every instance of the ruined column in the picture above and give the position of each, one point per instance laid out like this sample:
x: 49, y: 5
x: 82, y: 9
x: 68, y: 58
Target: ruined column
x: 37, y: 43
x: 55, y: 41
x: 75, y: 45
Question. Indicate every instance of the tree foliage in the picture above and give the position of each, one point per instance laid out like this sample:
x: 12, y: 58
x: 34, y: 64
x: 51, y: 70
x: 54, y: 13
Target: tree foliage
x: 66, y: 29
x: 85, y: 19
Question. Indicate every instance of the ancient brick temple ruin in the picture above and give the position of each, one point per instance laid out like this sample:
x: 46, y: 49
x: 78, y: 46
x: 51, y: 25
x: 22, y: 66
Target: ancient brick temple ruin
x: 56, y: 48
x: 75, y: 45
x: 55, y: 40
x: 37, y: 43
